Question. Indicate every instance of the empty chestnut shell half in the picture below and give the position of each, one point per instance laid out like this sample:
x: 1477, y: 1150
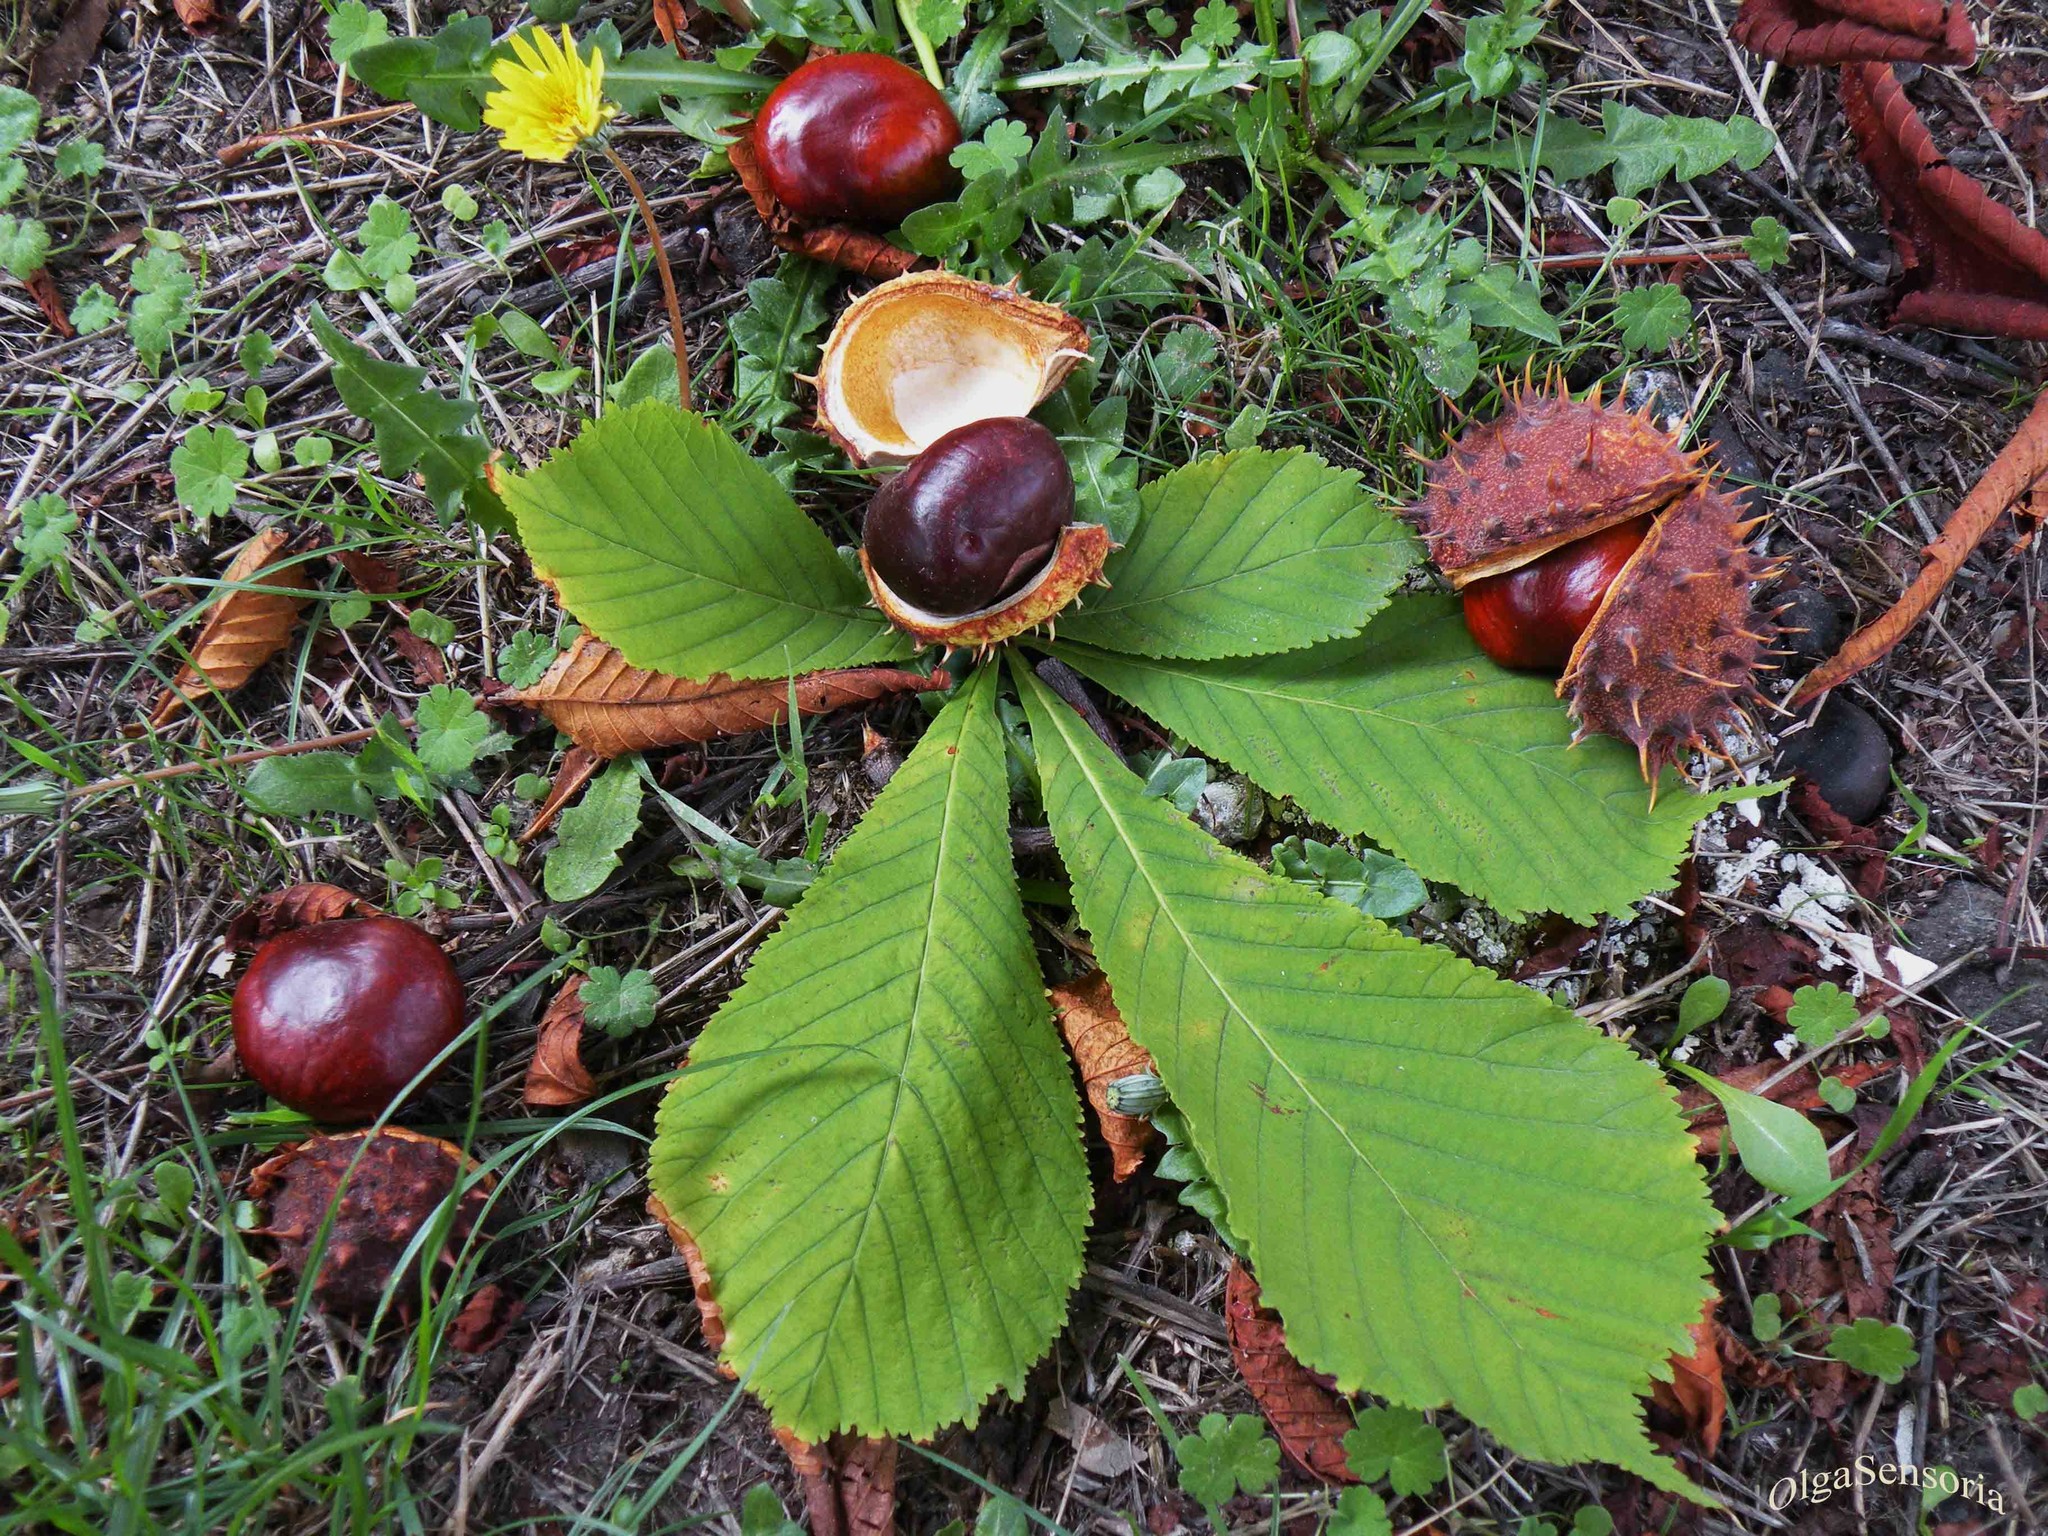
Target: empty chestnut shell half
x: 856, y: 138
x: 1531, y: 617
x: 335, y: 1019
x: 973, y: 518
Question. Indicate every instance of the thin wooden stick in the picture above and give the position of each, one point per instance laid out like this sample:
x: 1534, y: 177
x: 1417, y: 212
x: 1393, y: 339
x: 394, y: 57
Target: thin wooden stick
x: 232, y: 760
x: 241, y: 149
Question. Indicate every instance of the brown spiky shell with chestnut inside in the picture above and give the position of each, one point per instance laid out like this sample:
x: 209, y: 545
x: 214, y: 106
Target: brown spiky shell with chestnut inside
x: 1675, y: 647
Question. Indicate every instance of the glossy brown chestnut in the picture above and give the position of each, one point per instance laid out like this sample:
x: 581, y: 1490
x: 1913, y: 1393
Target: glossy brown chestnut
x: 1531, y: 617
x: 973, y: 518
x: 334, y: 1019
x: 857, y: 138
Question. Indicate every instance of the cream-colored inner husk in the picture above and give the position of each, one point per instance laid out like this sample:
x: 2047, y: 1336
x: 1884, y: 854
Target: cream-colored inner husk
x: 928, y: 363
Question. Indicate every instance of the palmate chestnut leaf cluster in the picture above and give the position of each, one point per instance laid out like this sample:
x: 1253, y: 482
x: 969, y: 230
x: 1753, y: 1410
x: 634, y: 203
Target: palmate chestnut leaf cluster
x: 1452, y: 1189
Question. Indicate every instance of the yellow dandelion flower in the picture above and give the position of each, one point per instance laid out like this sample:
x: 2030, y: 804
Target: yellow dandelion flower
x: 551, y: 98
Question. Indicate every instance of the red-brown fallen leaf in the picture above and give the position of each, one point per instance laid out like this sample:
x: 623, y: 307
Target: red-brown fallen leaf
x: 579, y: 766
x: 485, y: 1319
x: 429, y: 666
x: 394, y: 1187
x: 199, y: 16
x: 859, y: 251
x: 1104, y: 1051
x: 849, y: 1483
x: 609, y: 706
x: 1308, y: 1417
x: 556, y: 1077
x: 1804, y: 32
x: 670, y: 21
x: 1800, y: 1091
x: 43, y: 289
x: 375, y: 576
x: 61, y: 62
x: 710, y: 1315
x: 1695, y: 1396
x: 1971, y: 263
x: 243, y: 629
x: 2022, y: 463
x: 1862, y: 852
x: 293, y: 906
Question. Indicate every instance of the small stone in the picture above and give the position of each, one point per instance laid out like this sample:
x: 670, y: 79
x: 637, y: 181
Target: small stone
x: 1231, y: 810
x: 1661, y: 390
x: 1844, y: 754
x: 1812, y: 629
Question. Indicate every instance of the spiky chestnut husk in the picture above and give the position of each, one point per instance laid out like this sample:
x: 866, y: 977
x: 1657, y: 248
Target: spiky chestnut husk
x: 397, y: 1180
x: 1674, y: 649
x: 1550, y: 471
x: 1076, y: 564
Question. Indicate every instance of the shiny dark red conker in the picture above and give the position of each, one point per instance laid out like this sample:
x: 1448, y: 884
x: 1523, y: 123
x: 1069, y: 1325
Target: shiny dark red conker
x: 1531, y: 617
x: 856, y: 138
x: 973, y: 518
x: 334, y: 1019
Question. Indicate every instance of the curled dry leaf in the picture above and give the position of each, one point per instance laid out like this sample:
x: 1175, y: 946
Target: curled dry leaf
x: 1695, y: 1396
x: 1308, y: 1417
x: 43, y: 289
x: 1809, y: 32
x: 380, y: 1199
x: 294, y: 906
x: 199, y: 16
x: 849, y: 1483
x: 61, y: 62
x: 1971, y: 263
x: 485, y: 1319
x: 556, y: 1077
x: 709, y: 1314
x: 859, y: 251
x: 609, y: 707
x: 1076, y: 564
x: 2022, y: 463
x: 1674, y: 649
x: 579, y: 766
x: 1104, y: 1051
x: 244, y: 629
x: 911, y: 360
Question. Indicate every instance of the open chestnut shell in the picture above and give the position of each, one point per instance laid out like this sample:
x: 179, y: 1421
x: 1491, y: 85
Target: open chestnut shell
x: 335, y: 1019
x: 912, y: 359
x: 1531, y: 617
x: 856, y: 138
x: 973, y: 518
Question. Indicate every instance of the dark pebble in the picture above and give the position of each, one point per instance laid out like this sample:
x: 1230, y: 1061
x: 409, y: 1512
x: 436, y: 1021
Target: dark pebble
x: 1845, y: 755
x: 1811, y: 629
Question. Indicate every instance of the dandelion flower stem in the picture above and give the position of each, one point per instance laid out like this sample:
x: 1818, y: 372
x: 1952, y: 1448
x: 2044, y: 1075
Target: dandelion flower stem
x: 668, y: 281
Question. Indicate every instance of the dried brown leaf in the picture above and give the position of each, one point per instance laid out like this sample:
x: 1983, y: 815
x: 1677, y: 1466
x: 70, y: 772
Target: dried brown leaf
x: 485, y: 1319
x: 61, y: 62
x: 244, y: 628
x: 556, y: 1077
x: 199, y: 16
x: 1104, y: 1051
x: 293, y: 906
x: 709, y: 1315
x: 1308, y: 1417
x: 1695, y: 1396
x: 1807, y: 32
x: 609, y: 707
x: 2022, y: 463
x: 579, y: 766
x: 849, y: 1483
x: 43, y: 289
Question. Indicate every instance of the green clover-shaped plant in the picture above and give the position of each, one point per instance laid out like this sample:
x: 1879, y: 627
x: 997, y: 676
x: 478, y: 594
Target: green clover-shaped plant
x: 1452, y: 1188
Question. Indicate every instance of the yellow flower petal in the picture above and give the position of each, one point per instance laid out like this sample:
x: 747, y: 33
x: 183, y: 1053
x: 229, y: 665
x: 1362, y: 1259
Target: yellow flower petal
x: 551, y: 97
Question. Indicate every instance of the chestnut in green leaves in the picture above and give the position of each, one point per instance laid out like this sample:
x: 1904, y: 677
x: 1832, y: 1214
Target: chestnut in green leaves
x: 973, y: 518
x: 856, y: 138
x: 334, y: 1019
